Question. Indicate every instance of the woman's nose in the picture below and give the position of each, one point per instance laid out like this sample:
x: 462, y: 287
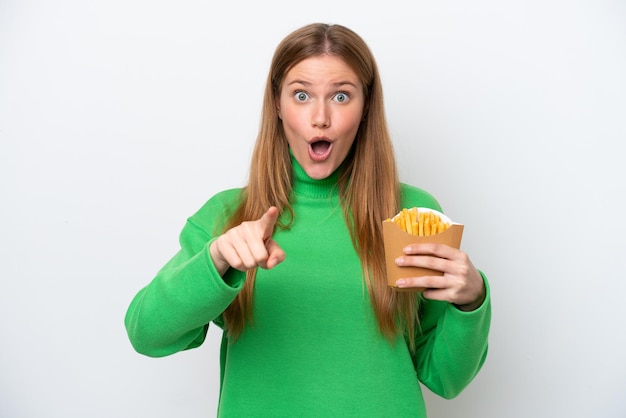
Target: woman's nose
x: 321, y: 116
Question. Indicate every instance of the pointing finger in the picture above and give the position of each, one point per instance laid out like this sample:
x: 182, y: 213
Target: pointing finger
x: 268, y: 221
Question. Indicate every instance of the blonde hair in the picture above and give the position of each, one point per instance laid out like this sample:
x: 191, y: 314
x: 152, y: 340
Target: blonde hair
x: 368, y: 181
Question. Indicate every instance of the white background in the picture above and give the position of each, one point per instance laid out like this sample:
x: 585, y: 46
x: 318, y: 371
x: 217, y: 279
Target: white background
x: 118, y: 119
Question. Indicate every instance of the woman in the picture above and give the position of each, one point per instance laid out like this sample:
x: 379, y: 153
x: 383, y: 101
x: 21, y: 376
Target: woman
x: 316, y: 331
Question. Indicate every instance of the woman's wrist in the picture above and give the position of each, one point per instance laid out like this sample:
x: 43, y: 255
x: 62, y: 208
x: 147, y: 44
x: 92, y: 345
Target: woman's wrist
x: 472, y: 306
x: 220, y: 265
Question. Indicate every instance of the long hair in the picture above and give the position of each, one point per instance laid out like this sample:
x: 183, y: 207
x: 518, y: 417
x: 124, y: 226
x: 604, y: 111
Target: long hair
x: 368, y: 182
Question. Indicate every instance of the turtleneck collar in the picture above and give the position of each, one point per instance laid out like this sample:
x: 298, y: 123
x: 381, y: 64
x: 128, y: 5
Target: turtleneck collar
x: 306, y: 186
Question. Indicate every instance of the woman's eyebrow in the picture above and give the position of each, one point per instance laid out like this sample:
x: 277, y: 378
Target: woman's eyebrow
x: 336, y: 84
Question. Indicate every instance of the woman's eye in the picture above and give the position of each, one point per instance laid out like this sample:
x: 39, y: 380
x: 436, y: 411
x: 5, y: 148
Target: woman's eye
x: 301, y: 96
x: 341, y: 97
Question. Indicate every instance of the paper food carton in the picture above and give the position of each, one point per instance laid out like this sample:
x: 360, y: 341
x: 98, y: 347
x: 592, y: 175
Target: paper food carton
x: 396, y: 237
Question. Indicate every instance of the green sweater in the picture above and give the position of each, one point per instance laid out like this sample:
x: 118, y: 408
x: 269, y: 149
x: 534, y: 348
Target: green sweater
x: 314, y: 348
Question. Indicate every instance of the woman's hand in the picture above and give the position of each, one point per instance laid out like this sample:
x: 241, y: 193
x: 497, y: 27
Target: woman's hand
x: 461, y: 284
x: 248, y: 245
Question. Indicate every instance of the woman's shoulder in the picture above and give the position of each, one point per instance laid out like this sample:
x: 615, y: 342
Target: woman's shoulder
x: 412, y: 196
x: 226, y: 196
x: 217, y: 208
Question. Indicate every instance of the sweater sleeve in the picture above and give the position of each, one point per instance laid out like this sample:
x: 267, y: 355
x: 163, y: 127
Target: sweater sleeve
x: 452, y: 345
x: 172, y: 313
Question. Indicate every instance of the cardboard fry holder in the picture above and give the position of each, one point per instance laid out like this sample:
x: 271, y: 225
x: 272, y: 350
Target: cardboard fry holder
x: 395, y: 239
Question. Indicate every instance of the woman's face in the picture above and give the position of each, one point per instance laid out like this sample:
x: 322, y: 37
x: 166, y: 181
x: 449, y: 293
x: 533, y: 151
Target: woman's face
x: 321, y: 106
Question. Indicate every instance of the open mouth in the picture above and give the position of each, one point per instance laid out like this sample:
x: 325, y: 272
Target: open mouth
x: 320, y: 150
x: 320, y: 147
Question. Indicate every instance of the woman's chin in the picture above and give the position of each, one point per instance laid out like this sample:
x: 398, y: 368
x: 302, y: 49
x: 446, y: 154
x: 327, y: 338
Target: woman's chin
x: 319, y: 171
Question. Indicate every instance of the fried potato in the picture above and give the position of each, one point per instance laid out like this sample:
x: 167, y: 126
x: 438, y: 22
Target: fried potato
x: 420, y: 223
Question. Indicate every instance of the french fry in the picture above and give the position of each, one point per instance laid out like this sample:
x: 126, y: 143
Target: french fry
x: 419, y: 223
x: 407, y: 219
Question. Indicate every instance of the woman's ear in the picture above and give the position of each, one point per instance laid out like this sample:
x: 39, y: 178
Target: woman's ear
x: 277, y: 104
